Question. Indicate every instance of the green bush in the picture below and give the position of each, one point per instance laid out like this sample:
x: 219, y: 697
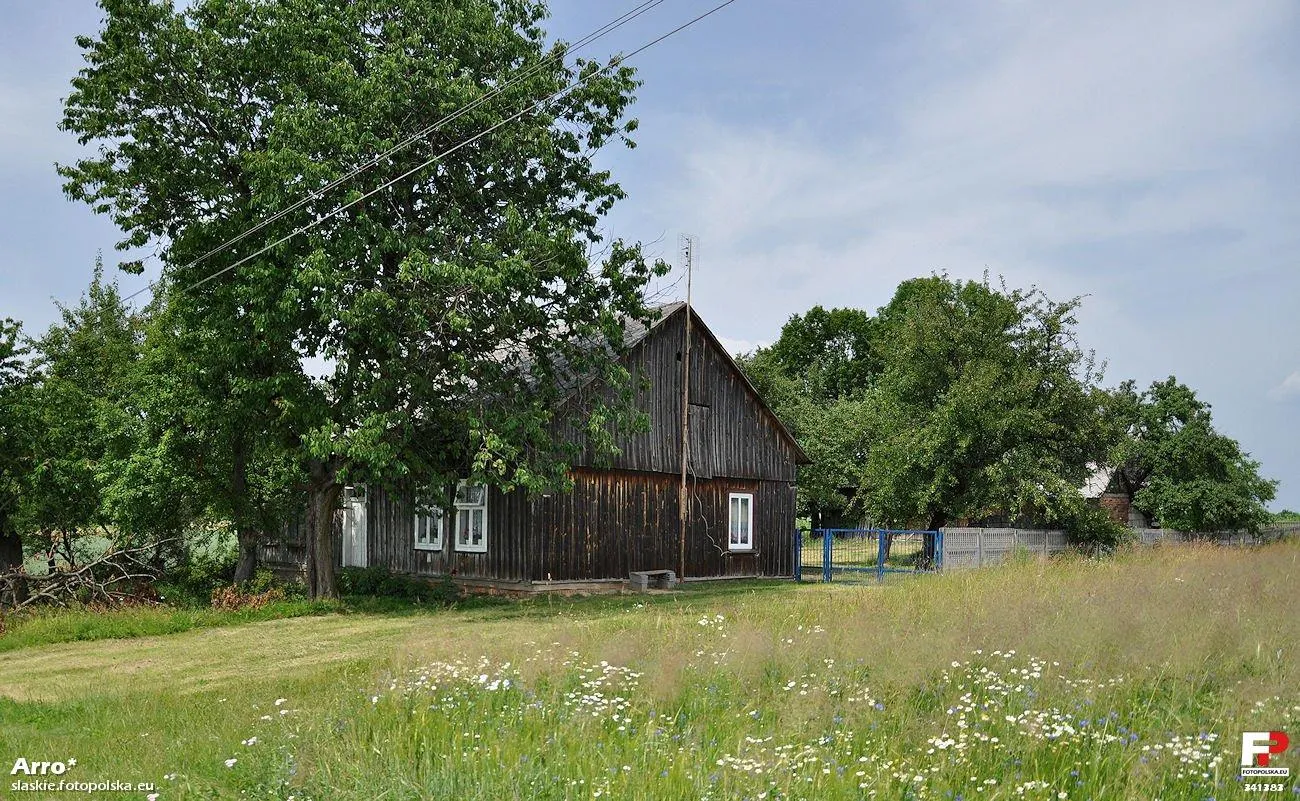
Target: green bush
x: 379, y: 582
x: 1091, y: 529
x: 210, y: 564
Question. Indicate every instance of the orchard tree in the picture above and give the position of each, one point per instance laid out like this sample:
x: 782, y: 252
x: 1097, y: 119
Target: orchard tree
x: 217, y: 445
x: 985, y: 403
x: 445, y: 314
x: 1180, y: 471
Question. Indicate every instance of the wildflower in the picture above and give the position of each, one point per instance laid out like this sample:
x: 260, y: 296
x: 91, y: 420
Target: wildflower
x: 230, y: 763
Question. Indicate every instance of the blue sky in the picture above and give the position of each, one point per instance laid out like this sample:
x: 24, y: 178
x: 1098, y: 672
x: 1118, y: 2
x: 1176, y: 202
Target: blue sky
x: 1141, y: 154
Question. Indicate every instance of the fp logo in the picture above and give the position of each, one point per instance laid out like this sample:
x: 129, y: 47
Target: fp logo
x: 1258, y: 746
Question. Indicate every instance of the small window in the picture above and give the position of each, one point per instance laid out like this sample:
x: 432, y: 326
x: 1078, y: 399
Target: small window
x: 471, y: 518
x: 428, y: 530
x: 741, y: 526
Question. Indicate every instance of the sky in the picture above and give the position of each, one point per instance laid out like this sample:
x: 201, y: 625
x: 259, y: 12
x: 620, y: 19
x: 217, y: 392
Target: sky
x: 1141, y: 155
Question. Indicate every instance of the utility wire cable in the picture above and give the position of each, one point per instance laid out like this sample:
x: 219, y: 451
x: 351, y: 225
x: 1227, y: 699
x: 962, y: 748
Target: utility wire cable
x: 316, y: 194
x: 615, y: 62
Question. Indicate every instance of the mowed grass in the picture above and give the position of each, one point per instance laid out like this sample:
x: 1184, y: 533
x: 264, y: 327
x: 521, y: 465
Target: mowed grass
x: 44, y: 627
x: 1127, y: 678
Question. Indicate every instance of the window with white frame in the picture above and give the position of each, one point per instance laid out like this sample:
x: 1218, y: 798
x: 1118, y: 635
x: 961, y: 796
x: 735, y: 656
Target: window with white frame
x: 429, y: 526
x: 741, y: 522
x: 471, y: 518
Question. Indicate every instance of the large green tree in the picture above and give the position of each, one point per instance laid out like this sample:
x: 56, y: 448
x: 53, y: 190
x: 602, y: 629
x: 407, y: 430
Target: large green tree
x: 985, y: 404
x: 1180, y: 471
x: 219, y: 442
x: 448, y: 312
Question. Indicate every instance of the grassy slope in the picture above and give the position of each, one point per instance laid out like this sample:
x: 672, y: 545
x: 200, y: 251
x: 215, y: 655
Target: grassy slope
x: 1197, y: 635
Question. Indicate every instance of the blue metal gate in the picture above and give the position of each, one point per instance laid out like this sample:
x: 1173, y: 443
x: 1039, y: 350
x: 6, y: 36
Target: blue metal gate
x: 862, y: 553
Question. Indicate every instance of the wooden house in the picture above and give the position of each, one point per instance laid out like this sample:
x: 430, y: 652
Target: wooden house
x: 620, y: 517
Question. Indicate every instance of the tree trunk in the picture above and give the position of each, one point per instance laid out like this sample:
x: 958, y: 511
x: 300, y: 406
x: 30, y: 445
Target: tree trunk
x: 449, y: 528
x: 247, y: 538
x: 937, y: 521
x: 322, y: 497
x: 11, y: 557
x: 247, y: 564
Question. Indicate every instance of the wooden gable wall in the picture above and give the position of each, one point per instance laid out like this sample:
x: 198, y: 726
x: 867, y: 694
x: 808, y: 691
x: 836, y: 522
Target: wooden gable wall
x: 732, y: 434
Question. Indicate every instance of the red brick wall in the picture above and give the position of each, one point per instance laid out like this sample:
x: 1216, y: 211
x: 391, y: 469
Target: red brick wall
x: 1117, y: 506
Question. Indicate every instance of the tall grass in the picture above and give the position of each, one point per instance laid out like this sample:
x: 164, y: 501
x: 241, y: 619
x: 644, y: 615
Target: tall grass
x: 1126, y: 678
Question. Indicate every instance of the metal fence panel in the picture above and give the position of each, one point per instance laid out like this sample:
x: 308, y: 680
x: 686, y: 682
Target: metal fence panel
x: 857, y: 554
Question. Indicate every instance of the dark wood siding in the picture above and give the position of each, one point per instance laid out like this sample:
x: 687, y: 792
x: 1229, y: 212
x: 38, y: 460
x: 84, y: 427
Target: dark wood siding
x: 618, y: 521
x: 745, y: 442
x: 392, y: 539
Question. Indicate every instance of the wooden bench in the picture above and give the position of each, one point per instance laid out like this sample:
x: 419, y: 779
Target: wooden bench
x: 643, y: 580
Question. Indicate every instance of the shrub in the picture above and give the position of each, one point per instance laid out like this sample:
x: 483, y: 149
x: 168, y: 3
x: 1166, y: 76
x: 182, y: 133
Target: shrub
x: 1092, y: 530
x: 234, y: 598
x: 208, y: 565
x: 378, y: 582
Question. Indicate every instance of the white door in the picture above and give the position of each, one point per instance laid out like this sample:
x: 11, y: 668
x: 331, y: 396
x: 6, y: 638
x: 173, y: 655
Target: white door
x: 354, y: 530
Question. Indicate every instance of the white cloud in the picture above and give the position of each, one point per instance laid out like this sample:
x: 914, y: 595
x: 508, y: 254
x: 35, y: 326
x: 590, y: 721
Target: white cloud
x: 1288, y: 391
x: 737, y: 347
x: 1140, y: 154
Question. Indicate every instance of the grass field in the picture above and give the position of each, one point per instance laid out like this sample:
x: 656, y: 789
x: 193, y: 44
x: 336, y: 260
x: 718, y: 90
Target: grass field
x: 1129, y: 678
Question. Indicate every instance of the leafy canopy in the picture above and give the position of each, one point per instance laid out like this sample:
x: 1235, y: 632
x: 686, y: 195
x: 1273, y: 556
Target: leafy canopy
x: 84, y: 368
x: 1179, y: 470
x: 16, y: 433
x: 986, y: 404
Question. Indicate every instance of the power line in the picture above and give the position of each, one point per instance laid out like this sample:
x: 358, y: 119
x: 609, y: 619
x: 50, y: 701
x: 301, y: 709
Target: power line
x: 421, y: 134
x: 316, y: 194
x: 616, y: 61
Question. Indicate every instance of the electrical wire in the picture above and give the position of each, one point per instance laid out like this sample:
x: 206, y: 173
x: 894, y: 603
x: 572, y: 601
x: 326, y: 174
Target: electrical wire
x: 605, y: 29
x: 615, y: 62
x: 598, y: 33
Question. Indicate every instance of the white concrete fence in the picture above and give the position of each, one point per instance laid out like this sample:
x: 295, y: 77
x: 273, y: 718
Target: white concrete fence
x: 979, y: 547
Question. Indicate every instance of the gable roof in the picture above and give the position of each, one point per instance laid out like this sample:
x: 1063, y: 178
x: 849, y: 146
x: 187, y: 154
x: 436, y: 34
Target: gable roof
x: 1098, y: 482
x: 635, y: 332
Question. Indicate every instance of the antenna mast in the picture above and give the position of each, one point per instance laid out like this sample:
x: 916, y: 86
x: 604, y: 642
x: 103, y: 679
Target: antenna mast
x: 687, y: 245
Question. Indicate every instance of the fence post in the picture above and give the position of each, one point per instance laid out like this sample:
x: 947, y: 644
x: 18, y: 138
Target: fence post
x: 938, y: 550
x: 880, y: 555
x: 827, y: 540
x: 798, y: 555
x: 979, y: 547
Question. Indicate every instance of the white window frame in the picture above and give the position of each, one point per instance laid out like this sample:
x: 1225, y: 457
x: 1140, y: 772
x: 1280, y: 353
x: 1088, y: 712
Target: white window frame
x: 462, y: 543
x: 435, y: 520
x: 746, y: 544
